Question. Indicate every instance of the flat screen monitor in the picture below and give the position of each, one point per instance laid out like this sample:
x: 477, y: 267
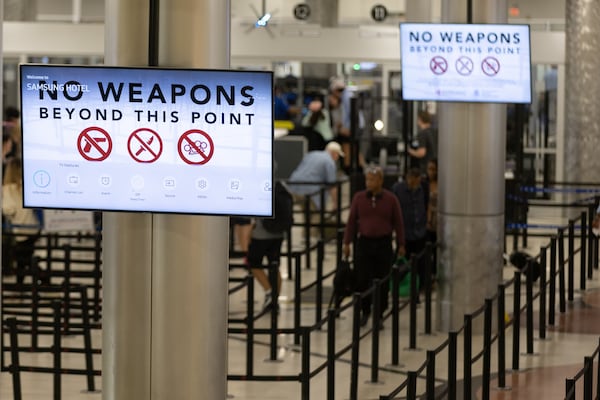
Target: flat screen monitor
x: 466, y: 62
x: 147, y: 139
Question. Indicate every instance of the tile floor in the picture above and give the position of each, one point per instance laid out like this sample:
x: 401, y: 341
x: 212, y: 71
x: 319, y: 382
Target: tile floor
x: 541, y: 374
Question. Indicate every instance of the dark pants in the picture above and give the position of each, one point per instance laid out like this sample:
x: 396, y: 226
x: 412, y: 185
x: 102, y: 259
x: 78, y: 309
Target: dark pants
x: 261, y: 248
x: 373, y: 259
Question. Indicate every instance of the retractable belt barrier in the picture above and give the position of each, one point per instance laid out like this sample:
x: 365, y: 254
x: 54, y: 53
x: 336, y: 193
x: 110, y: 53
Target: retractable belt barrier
x: 54, y: 326
x: 302, y: 334
x: 561, y: 268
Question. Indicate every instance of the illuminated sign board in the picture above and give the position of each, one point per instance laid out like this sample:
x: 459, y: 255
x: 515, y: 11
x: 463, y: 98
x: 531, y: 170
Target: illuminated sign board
x: 466, y: 62
x: 147, y: 139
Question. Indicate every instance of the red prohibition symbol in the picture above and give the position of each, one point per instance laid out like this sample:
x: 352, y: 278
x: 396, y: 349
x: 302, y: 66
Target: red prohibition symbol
x: 144, y: 145
x: 94, y: 144
x: 438, y: 65
x: 490, y: 66
x: 195, y: 147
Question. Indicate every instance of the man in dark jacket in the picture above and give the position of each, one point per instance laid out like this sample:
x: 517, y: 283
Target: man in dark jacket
x: 412, y: 198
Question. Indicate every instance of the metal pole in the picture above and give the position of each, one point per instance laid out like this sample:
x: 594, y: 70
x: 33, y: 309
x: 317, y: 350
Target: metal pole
x: 552, y: 294
x: 501, y: 337
x: 516, y: 321
x: 452, y: 360
x: 571, y: 260
x: 487, y: 350
x: 529, y: 307
x: 561, y: 271
x: 542, y: 312
x: 467, y: 353
x: 331, y: 316
x: 305, y: 374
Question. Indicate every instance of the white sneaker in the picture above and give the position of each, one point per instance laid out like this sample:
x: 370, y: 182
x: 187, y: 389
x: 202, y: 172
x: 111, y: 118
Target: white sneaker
x: 267, y: 302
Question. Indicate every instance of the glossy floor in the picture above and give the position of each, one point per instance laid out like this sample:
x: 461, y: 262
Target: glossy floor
x: 541, y: 374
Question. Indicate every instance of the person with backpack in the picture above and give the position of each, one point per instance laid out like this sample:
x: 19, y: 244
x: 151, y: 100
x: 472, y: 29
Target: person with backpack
x: 266, y: 239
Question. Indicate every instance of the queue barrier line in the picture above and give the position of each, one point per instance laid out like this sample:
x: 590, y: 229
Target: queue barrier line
x: 56, y: 349
x: 561, y: 268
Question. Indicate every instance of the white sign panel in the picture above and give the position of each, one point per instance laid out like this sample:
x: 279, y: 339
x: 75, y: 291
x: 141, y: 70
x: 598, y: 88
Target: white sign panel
x: 147, y: 139
x: 466, y: 62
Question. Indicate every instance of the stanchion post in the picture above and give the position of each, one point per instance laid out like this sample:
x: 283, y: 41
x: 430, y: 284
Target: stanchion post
x: 56, y: 351
x: 598, y: 374
x: 274, y: 281
x: 411, y: 390
x: 570, y: 389
x: 571, y: 259
x: 307, y: 227
x: 516, y: 321
x: 583, y: 251
x: 467, y: 353
x: 590, y: 241
x: 305, y: 374
x: 319, y: 285
x: 331, y: 316
x: 552, y: 289
x: 322, y: 213
x: 588, y: 377
x: 487, y: 349
x: 250, y: 327
x: 561, y: 272
x: 289, y: 256
x: 35, y: 307
x: 375, y: 321
x: 542, y: 312
x: 338, y: 218
x: 452, y: 361
x: 501, y: 336
x: 430, y: 379
x: 395, y: 315
x: 67, y: 289
x: 529, y: 306
x: 414, y: 296
x: 87, y: 339
x: 355, y: 347
x: 15, y: 366
x: 427, y: 264
x: 297, y: 298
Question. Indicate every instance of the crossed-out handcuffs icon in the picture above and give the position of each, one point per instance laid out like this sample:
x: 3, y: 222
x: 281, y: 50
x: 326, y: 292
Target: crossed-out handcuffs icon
x: 191, y: 150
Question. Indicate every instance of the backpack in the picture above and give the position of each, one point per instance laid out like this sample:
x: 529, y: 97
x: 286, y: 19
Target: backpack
x: 283, y: 212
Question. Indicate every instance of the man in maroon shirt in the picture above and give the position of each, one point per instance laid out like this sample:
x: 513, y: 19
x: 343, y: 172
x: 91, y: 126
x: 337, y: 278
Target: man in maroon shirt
x: 375, y: 215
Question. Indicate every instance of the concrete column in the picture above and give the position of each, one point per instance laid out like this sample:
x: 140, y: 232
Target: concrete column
x: 582, y: 128
x: 471, y: 161
x: 165, y: 276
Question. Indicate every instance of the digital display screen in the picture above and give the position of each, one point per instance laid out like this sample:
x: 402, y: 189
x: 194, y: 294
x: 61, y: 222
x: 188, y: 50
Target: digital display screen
x: 147, y: 139
x: 466, y: 62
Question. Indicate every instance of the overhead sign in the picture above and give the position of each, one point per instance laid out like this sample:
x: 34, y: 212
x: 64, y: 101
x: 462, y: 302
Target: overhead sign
x: 147, y: 139
x: 466, y: 62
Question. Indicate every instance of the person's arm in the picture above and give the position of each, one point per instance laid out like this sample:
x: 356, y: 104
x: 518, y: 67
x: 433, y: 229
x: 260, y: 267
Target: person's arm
x: 418, y: 152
